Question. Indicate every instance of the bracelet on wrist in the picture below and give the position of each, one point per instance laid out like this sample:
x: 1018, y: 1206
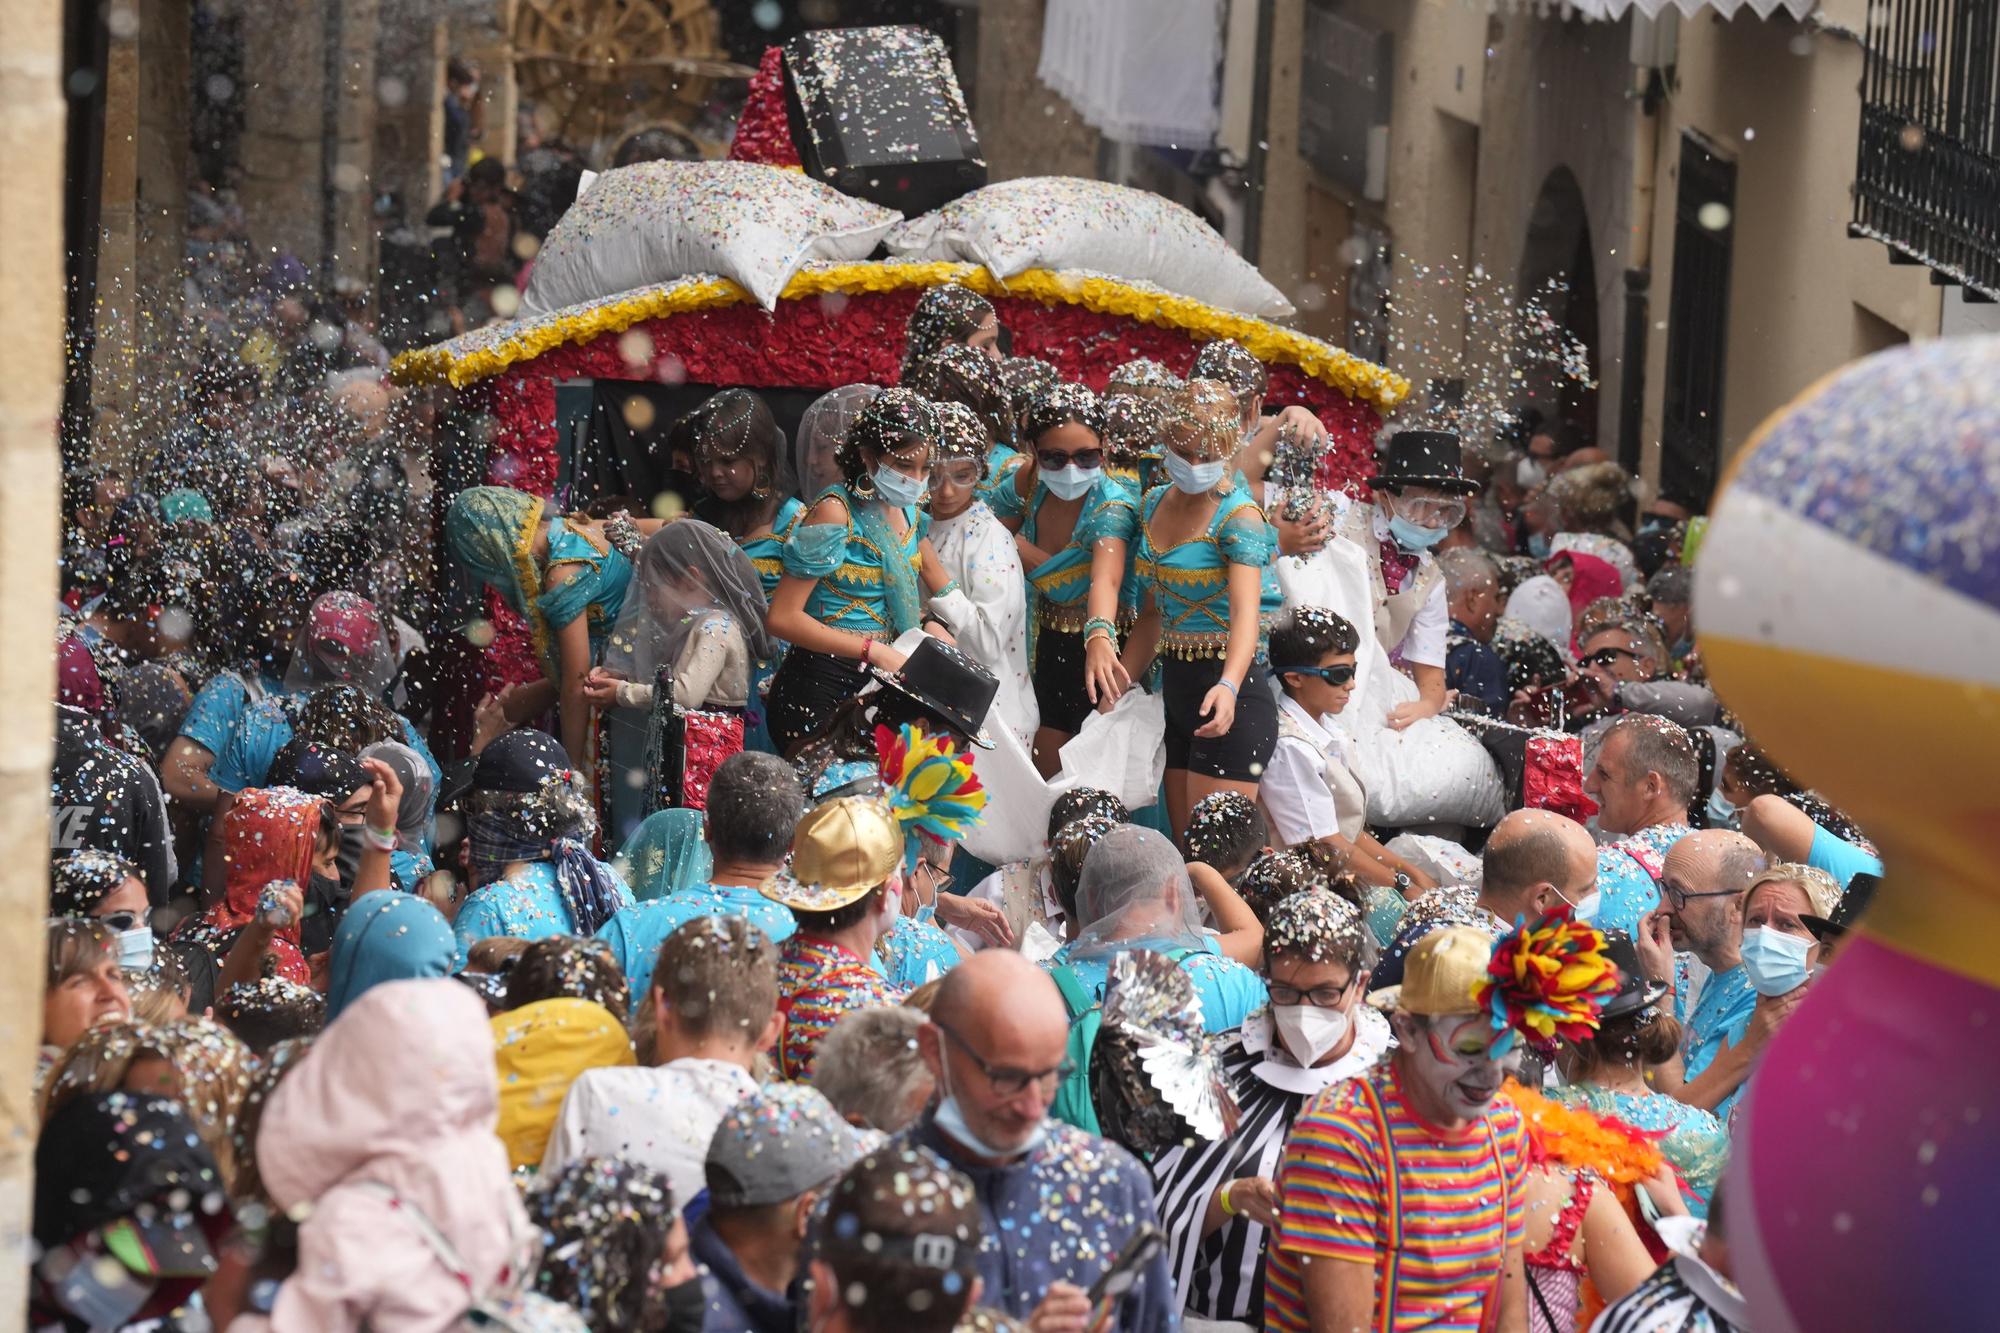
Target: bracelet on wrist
x: 1224, y: 680
x: 1223, y: 1198
x: 379, y: 839
x: 1095, y: 624
x: 950, y: 587
x: 867, y: 645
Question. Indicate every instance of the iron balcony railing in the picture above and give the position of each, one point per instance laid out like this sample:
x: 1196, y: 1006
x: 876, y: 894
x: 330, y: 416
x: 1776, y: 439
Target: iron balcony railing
x: 1927, y: 179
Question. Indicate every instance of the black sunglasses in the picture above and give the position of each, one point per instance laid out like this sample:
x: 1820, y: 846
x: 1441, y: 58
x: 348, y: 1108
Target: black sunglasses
x: 1055, y: 460
x: 1604, y: 657
x: 1333, y: 675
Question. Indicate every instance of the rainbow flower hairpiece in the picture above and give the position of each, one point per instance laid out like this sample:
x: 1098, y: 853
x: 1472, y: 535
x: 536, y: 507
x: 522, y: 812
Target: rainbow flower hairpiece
x: 1548, y: 981
x: 930, y: 786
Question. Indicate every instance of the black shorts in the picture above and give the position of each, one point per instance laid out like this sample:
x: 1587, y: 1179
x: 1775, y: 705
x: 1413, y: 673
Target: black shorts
x: 1059, y: 690
x: 1239, y: 756
x: 808, y: 688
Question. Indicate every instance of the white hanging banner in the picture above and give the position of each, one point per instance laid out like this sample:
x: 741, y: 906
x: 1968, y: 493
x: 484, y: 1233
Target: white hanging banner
x: 1138, y: 71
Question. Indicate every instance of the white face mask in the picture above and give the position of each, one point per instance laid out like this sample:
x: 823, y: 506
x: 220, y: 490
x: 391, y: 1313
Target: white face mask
x: 135, y: 948
x: 1528, y: 474
x: 1193, y: 478
x: 1309, y: 1031
x: 1072, y: 482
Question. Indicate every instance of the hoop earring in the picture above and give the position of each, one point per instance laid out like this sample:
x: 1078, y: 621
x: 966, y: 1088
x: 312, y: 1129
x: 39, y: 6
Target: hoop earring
x: 864, y: 485
x: 762, y: 490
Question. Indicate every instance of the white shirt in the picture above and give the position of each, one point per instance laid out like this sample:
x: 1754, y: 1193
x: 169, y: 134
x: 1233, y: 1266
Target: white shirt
x: 1294, y: 789
x: 1424, y: 642
x: 980, y: 554
x: 661, y: 1118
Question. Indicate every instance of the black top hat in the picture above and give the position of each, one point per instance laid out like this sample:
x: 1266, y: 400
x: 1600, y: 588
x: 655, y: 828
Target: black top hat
x: 1860, y: 892
x: 946, y: 683
x: 1424, y: 458
x: 1636, y: 990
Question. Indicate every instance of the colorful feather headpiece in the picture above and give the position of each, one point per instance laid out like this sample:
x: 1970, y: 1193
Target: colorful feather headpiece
x: 1548, y: 981
x: 929, y: 785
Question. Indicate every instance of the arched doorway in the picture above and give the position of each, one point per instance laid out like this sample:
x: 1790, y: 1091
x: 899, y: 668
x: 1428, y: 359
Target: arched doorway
x: 1559, y: 275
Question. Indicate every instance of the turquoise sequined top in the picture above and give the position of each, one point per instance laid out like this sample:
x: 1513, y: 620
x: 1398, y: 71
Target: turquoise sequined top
x: 848, y: 566
x: 767, y: 552
x: 1189, y: 580
x: 597, y: 589
x: 1059, y: 587
x: 1694, y: 1141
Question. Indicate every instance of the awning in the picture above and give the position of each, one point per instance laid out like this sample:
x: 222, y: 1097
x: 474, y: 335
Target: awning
x: 1610, y: 11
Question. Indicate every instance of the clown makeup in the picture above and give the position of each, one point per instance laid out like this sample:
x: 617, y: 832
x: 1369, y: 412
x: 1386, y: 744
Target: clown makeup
x: 1454, y: 1067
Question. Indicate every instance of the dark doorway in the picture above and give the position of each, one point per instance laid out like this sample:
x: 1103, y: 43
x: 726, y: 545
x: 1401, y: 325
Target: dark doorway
x: 1697, y: 324
x: 1559, y: 279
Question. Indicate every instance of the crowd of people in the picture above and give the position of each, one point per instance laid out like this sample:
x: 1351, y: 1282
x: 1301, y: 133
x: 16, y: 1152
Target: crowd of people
x: 353, y: 1024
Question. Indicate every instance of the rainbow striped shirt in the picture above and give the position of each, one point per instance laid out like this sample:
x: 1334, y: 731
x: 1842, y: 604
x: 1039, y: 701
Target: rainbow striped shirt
x: 1462, y: 1206
x: 818, y: 981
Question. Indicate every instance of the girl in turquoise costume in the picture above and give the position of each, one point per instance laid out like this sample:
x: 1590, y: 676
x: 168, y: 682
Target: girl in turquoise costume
x: 956, y: 373
x: 563, y: 574
x: 857, y: 569
x: 1072, y: 523
x: 1203, y: 550
x: 737, y: 452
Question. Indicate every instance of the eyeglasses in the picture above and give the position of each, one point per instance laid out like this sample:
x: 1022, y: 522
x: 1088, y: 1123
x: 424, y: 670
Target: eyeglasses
x: 1333, y: 675
x: 1430, y: 513
x: 1008, y: 1082
x: 941, y: 881
x: 1604, y: 657
x: 123, y: 921
x: 1678, y: 898
x: 1055, y: 460
x: 956, y: 474
x: 1320, y: 997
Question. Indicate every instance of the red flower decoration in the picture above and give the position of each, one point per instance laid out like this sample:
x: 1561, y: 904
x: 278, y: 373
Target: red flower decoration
x: 762, y: 132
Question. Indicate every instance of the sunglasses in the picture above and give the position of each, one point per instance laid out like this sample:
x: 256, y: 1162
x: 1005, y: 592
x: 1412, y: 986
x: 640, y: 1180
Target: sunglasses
x: 1055, y: 460
x: 123, y: 921
x: 1333, y: 675
x: 1604, y: 657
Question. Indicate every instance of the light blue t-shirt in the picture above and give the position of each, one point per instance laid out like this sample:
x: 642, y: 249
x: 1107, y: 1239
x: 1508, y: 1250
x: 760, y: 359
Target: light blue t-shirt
x: 636, y: 934
x: 1628, y: 875
x: 217, y: 711
x: 265, y: 728
x: 1840, y: 858
x: 1229, y: 992
x: 1720, y: 1016
x: 918, y: 951
x: 527, y: 907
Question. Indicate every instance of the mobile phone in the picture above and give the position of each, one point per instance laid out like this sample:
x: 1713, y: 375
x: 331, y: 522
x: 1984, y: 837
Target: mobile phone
x: 1123, y: 1275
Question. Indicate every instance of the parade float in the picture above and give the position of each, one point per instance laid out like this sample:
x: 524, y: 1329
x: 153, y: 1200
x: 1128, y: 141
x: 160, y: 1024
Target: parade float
x: 668, y: 281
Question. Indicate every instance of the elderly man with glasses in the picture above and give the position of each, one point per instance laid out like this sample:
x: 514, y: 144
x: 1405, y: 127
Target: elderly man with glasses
x: 997, y: 1042
x: 1699, y: 918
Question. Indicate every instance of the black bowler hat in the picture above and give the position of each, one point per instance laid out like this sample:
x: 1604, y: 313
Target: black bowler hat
x: 1423, y: 458
x: 1860, y: 892
x: 948, y: 684
x: 1636, y: 990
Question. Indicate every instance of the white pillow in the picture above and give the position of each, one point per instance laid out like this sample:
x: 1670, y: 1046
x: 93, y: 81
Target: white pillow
x: 1063, y: 222
x: 653, y: 222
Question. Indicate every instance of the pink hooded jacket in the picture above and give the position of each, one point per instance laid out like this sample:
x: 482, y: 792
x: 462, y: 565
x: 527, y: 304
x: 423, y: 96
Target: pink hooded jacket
x: 399, y: 1090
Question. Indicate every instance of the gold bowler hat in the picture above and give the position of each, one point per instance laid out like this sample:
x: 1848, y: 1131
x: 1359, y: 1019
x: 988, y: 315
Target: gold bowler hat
x: 842, y: 849
x: 1440, y: 973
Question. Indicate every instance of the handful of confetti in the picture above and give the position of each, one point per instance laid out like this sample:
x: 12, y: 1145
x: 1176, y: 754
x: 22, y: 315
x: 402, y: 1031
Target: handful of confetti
x: 272, y: 909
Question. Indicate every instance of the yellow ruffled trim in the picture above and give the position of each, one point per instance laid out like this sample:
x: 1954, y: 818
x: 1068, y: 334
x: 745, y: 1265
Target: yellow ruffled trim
x: 531, y: 584
x: 1271, y: 343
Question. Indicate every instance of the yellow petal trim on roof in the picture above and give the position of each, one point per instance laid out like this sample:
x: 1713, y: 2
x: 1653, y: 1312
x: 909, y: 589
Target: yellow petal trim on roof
x: 472, y: 358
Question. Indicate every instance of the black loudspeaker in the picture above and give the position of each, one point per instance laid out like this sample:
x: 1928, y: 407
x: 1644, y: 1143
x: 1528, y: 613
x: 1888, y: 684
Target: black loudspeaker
x: 877, y: 113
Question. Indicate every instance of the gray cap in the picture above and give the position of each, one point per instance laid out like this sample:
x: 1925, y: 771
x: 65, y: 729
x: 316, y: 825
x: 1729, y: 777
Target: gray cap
x: 776, y: 1144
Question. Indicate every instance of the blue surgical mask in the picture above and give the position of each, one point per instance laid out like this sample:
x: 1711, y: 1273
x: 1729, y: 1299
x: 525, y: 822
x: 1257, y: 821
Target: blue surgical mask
x: 897, y: 489
x: 1775, y: 961
x: 1414, y: 536
x: 135, y: 948
x: 951, y: 1120
x: 1193, y: 478
x: 1072, y: 482
x: 1538, y: 545
x: 1721, y: 814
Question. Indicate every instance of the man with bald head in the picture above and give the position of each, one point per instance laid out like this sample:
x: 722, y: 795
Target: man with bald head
x: 1700, y: 914
x: 997, y: 1042
x: 1535, y: 861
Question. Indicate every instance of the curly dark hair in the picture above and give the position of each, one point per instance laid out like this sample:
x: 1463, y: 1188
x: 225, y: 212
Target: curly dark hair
x: 347, y: 718
x: 956, y: 373
x: 1276, y: 876
x: 1063, y: 405
x: 1067, y: 851
x: 896, y: 423
x: 604, y: 1225
x: 569, y: 966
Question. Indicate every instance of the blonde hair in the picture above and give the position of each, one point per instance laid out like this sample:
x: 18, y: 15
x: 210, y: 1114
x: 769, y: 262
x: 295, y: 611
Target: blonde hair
x: 1822, y: 893
x: 211, y: 1066
x: 1204, y: 417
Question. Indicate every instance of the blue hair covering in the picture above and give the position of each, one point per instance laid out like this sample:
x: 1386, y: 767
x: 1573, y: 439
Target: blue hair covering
x: 387, y: 936
x: 665, y: 854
